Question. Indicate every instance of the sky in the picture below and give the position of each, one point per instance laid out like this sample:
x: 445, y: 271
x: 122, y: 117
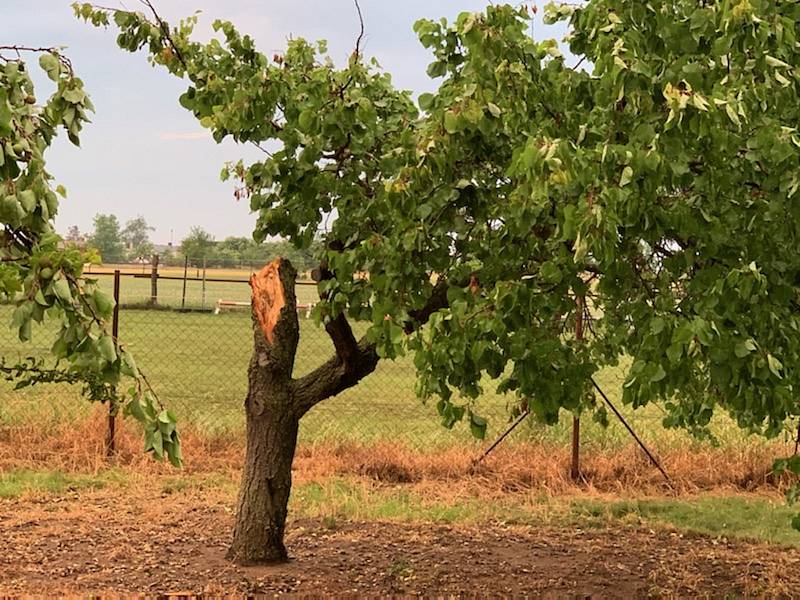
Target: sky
x: 145, y: 155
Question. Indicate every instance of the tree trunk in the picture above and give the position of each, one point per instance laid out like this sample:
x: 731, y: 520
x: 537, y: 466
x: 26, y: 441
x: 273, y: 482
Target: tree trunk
x: 275, y: 403
x: 272, y: 421
x: 264, y: 495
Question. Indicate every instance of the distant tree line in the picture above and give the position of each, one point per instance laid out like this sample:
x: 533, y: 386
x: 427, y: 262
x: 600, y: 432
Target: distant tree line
x: 132, y: 243
x: 201, y: 248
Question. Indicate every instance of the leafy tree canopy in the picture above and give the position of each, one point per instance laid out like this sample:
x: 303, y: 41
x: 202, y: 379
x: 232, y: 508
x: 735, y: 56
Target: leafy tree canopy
x: 107, y: 238
x: 136, y: 236
x: 42, y: 276
x: 197, y: 246
x: 661, y: 183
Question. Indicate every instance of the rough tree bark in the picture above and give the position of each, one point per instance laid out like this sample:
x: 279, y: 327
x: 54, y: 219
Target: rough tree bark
x: 274, y: 405
x: 272, y: 422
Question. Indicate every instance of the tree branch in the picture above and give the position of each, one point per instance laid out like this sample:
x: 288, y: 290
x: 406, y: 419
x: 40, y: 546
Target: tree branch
x: 334, y: 376
x: 50, y: 50
x: 343, y: 339
x: 338, y: 328
x: 437, y: 301
x: 353, y: 360
x: 162, y: 25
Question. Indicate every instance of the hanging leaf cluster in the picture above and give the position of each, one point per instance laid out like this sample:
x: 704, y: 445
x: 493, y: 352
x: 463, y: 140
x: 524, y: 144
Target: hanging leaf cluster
x: 41, y: 274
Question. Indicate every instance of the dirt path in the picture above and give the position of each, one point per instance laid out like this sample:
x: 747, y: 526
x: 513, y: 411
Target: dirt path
x: 102, y: 542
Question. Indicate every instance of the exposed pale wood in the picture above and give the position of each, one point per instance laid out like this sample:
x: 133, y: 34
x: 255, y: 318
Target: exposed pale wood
x: 269, y: 297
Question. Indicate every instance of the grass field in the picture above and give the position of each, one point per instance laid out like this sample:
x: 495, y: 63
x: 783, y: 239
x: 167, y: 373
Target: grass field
x: 340, y: 499
x: 135, y: 286
x: 197, y: 362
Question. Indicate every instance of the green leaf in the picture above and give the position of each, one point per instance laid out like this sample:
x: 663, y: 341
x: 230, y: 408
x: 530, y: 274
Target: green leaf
x: 106, y: 348
x: 744, y: 348
x: 158, y: 444
x: 75, y: 96
x: 775, y: 365
x: 658, y: 375
x: 128, y: 364
x: 451, y: 124
x: 776, y: 62
x: 50, y: 65
x: 5, y: 118
x: 134, y: 408
x: 174, y: 451
x: 27, y: 199
x: 477, y: 426
x: 25, y: 331
x: 627, y: 176
x: 396, y: 334
x: 40, y: 299
x: 104, y: 302
x: 62, y: 290
x: 426, y: 101
x: 306, y: 120
x: 657, y: 325
x: 550, y: 272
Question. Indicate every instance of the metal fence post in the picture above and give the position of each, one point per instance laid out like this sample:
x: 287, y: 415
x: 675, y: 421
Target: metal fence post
x: 203, y: 301
x: 575, y: 470
x: 185, y: 269
x: 154, y: 280
x: 111, y: 433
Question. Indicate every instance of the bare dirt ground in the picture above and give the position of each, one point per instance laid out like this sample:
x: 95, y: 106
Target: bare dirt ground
x: 110, y: 543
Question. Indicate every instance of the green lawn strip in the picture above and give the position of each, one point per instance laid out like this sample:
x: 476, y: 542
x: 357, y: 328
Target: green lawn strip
x: 732, y: 516
x: 337, y: 499
x: 19, y: 482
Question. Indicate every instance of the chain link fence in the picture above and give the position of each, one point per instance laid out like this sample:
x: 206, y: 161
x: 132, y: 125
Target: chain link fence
x: 191, y: 334
x: 193, y: 341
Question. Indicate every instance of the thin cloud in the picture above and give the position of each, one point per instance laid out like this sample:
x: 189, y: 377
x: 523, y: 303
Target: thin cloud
x: 188, y: 135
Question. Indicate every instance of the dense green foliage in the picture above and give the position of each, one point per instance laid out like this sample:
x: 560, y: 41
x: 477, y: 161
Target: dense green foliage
x: 41, y: 274
x: 136, y: 236
x: 197, y: 246
x: 660, y: 184
x: 235, y: 251
x: 106, y: 238
x: 117, y: 244
x: 201, y: 249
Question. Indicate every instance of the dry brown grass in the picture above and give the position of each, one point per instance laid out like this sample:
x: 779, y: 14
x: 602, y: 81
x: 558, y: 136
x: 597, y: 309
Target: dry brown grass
x: 80, y: 447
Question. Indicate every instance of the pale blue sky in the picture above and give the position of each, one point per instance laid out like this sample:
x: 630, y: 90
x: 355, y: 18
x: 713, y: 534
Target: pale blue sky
x: 145, y: 155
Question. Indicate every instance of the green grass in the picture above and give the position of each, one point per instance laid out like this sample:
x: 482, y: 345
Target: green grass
x: 197, y: 362
x: 335, y: 500
x: 14, y: 484
x: 756, y: 518
x: 734, y: 516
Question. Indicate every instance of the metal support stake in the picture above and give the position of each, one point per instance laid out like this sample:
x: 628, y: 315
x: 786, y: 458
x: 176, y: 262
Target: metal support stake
x: 111, y: 432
